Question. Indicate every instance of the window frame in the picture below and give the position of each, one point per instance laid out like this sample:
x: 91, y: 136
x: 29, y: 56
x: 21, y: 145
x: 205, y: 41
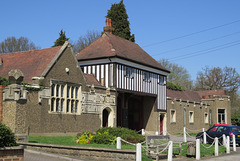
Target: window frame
x: 172, y: 117
x: 206, y: 118
x: 191, y: 117
x: 68, y: 97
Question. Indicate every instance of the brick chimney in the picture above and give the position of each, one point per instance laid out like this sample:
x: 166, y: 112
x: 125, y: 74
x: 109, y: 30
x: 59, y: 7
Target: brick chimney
x: 108, y: 28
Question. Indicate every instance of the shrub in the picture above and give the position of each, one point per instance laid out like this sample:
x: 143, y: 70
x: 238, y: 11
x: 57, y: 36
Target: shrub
x: 84, y: 138
x: 6, y: 136
x: 104, y: 138
x: 125, y: 133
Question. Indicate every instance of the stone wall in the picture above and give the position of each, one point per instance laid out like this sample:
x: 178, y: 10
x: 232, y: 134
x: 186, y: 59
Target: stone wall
x: 85, y: 153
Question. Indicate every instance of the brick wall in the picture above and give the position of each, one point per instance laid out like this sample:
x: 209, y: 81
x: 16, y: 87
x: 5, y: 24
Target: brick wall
x: 12, y: 153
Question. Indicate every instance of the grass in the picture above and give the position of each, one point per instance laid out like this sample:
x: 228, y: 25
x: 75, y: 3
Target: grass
x: 204, y: 151
x: 71, y: 141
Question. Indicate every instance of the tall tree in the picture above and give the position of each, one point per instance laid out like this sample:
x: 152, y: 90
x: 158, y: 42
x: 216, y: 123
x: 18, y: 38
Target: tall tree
x: 120, y: 23
x: 12, y: 44
x: 226, y: 78
x: 61, y: 40
x: 86, y: 40
x: 218, y: 78
x: 179, y: 75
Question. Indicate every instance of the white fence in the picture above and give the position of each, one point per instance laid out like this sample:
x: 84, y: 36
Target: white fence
x: 200, y: 141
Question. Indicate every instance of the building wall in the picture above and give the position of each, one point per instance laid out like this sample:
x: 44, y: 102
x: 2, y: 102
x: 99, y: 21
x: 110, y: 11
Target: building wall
x: 199, y: 109
x: 32, y: 113
x: 58, y: 70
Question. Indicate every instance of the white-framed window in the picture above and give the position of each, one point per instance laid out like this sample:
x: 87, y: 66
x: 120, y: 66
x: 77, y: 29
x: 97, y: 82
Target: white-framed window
x: 172, y: 115
x: 162, y: 80
x: 191, y: 117
x: 128, y: 72
x: 206, y: 118
x: 65, y: 97
x: 146, y: 77
x: 221, y: 116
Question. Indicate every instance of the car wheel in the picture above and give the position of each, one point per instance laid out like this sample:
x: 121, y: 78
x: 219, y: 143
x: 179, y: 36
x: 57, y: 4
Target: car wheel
x: 238, y: 144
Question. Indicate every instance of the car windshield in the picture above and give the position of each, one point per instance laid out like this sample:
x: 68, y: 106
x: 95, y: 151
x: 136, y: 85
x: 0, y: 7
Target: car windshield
x: 236, y: 129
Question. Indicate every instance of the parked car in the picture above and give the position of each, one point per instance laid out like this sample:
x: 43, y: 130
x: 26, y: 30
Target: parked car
x: 218, y: 130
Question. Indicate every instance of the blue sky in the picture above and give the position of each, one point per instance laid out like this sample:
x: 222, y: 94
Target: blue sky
x: 207, y: 32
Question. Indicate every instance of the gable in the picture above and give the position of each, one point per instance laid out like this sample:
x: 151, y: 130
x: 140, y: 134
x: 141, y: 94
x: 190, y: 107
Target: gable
x: 32, y: 63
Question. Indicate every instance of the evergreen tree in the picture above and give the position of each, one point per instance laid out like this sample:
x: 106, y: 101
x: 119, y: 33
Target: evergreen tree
x: 120, y: 23
x: 61, y: 40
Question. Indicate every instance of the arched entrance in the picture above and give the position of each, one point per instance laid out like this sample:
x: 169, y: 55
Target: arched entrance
x: 105, y: 116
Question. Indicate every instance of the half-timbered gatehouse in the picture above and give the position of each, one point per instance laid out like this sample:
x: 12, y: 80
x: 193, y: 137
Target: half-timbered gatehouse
x: 139, y: 80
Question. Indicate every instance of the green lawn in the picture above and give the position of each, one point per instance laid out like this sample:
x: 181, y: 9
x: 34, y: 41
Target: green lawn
x: 71, y: 140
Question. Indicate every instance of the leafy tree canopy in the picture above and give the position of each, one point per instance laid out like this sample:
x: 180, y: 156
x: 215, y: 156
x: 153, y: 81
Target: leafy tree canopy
x: 178, y: 76
x: 61, y: 40
x: 120, y: 23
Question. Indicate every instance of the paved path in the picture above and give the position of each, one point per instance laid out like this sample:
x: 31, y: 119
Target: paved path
x: 30, y: 155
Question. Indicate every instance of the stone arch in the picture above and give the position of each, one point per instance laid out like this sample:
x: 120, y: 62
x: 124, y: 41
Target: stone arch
x: 107, y: 117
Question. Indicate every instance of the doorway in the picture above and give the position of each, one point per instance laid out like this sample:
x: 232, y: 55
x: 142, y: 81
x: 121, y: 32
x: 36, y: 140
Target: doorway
x: 105, y: 117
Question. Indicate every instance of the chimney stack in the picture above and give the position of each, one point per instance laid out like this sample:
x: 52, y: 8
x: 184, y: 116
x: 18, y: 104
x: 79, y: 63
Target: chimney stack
x: 108, y: 28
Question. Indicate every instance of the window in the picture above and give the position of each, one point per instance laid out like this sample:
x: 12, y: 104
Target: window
x: 128, y: 72
x: 146, y: 76
x: 221, y: 116
x: 213, y: 129
x: 206, y: 118
x: 162, y: 80
x: 65, y: 97
x: 191, y: 117
x: 172, y: 115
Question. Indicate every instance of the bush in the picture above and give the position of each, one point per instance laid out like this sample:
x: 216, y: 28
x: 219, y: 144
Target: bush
x: 126, y: 134
x: 104, y: 138
x: 6, y: 136
x: 173, y: 86
x: 84, y: 138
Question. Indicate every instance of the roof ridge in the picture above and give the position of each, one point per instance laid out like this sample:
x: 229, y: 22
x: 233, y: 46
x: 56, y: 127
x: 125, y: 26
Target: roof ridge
x: 28, y: 51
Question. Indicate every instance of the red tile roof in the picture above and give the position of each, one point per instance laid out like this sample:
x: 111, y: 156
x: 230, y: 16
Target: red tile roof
x: 91, y: 79
x: 32, y: 63
x: 194, y: 95
x: 210, y: 93
x: 184, y: 95
x: 109, y: 45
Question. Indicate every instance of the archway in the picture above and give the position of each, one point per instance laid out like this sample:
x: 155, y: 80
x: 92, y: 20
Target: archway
x: 105, y: 116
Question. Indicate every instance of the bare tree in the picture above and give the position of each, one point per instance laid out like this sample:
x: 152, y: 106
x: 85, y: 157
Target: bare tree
x: 179, y: 75
x: 85, y: 41
x: 218, y: 78
x: 12, y: 44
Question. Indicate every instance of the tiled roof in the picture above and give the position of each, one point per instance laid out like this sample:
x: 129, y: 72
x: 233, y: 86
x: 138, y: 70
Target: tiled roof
x: 91, y: 79
x: 210, y: 93
x: 194, y: 95
x: 32, y: 63
x: 109, y: 45
x: 184, y: 95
